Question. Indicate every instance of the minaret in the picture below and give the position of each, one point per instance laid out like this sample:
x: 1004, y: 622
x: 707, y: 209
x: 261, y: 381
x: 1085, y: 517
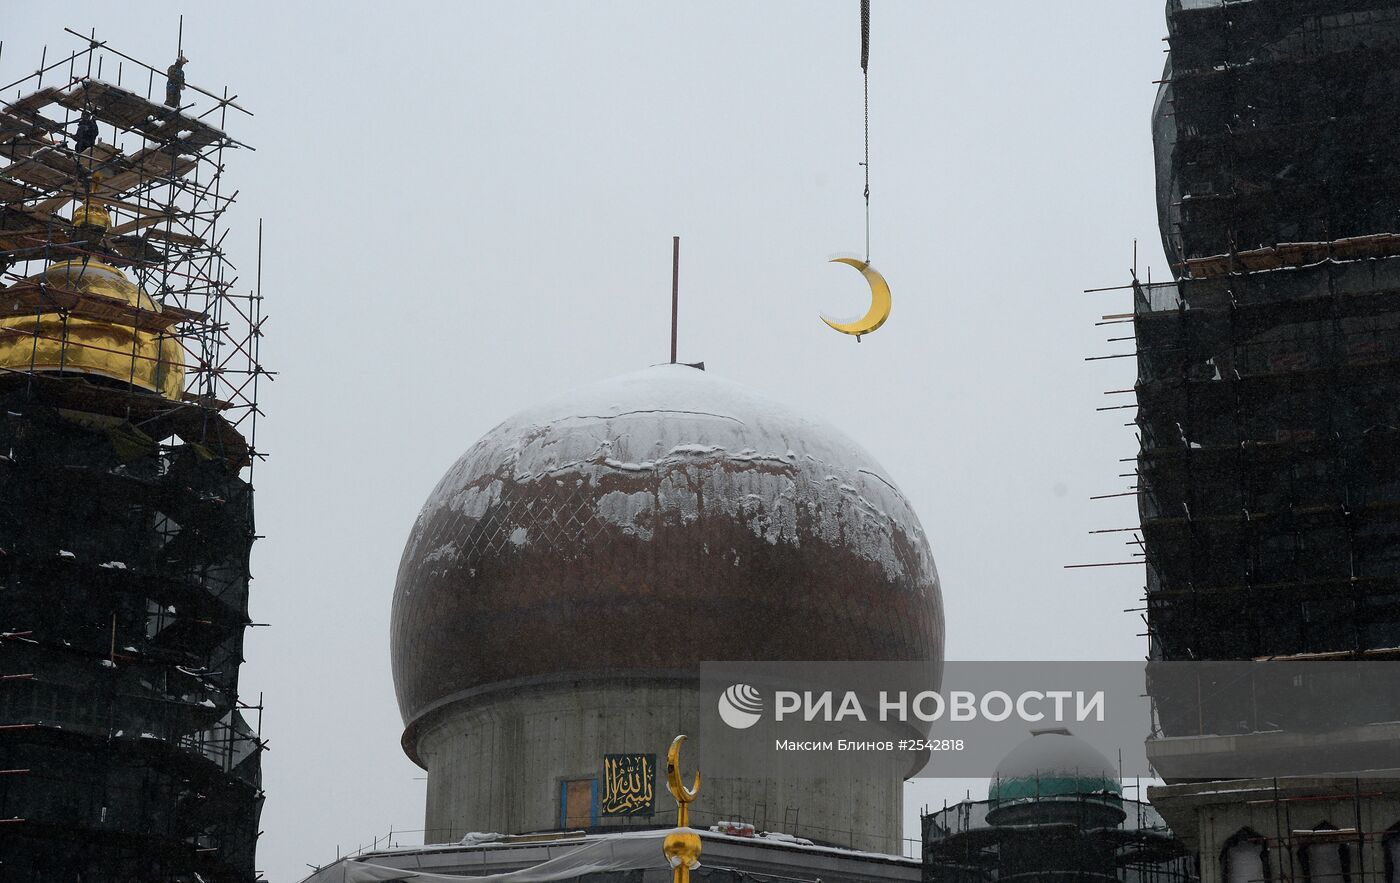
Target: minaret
x: 125, y: 531
x: 1269, y: 431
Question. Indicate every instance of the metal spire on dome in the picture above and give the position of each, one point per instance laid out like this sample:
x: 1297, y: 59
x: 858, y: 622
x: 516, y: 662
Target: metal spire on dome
x: 675, y: 291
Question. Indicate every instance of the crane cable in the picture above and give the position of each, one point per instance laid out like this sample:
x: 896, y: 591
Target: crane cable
x: 865, y: 74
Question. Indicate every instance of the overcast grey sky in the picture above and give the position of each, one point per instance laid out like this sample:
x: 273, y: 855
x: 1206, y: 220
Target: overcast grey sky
x: 469, y: 206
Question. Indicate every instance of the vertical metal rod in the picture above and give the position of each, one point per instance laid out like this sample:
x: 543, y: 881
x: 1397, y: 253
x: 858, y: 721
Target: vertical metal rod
x: 255, y: 344
x: 865, y: 76
x: 675, y: 290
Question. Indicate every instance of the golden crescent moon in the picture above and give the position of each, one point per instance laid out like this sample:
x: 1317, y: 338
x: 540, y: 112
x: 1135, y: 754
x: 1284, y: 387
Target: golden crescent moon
x: 880, y: 301
x: 677, y: 788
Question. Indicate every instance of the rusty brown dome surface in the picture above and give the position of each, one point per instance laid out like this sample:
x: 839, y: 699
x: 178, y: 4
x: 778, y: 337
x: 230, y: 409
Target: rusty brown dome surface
x: 587, y: 533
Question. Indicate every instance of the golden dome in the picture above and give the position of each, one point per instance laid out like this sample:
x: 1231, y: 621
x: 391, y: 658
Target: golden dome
x: 97, y: 337
x: 91, y: 213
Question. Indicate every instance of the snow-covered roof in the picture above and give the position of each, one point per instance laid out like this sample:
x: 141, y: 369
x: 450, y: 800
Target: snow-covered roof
x: 668, y: 421
x: 665, y: 492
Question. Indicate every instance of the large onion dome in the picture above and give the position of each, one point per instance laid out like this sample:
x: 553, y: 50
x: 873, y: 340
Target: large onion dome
x: 646, y: 523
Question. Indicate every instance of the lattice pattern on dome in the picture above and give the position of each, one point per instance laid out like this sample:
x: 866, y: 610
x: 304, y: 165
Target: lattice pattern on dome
x: 567, y: 524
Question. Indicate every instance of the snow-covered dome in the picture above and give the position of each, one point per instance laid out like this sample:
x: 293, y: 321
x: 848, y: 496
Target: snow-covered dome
x: 1052, y: 764
x: 586, y: 534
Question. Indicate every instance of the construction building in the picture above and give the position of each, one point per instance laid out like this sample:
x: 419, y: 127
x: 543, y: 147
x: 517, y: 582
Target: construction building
x: 1266, y: 404
x: 1268, y: 416
x: 557, y: 595
x: 543, y: 585
x: 129, y: 376
x: 1055, y: 810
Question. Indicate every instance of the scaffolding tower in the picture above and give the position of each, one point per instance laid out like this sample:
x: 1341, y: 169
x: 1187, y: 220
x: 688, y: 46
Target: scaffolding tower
x: 1083, y: 837
x: 129, y: 376
x: 1267, y: 398
x: 1268, y: 368
x: 1298, y: 828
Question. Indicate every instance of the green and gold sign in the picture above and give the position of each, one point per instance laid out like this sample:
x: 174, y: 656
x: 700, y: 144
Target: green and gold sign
x: 629, y: 785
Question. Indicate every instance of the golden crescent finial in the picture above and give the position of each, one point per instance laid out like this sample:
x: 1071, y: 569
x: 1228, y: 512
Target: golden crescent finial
x: 682, y: 846
x: 91, y: 213
x: 677, y: 787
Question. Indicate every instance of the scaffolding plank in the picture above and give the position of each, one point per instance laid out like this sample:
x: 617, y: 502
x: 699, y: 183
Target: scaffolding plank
x: 12, y: 191
x: 34, y: 100
x: 31, y: 297
x: 190, y: 421
x: 128, y: 110
x: 1295, y: 254
x: 176, y: 237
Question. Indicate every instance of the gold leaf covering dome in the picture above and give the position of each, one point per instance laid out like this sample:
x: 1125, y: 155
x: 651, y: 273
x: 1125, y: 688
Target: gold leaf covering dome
x: 117, y: 348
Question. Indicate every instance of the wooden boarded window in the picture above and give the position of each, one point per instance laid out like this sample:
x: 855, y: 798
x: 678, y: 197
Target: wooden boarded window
x: 578, y: 803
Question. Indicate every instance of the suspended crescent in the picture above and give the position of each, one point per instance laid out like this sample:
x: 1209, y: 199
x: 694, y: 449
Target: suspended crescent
x: 879, y: 301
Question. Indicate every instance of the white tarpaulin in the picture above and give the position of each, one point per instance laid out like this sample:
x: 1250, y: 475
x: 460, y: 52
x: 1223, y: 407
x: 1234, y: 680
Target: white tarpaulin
x: 623, y: 852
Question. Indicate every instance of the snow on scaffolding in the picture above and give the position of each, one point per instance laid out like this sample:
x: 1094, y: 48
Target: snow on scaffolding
x: 156, y: 169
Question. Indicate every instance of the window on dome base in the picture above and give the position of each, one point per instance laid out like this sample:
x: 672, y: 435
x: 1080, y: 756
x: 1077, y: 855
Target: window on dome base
x: 578, y: 803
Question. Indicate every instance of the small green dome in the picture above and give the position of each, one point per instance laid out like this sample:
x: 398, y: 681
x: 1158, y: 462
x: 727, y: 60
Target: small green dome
x: 1053, y: 764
